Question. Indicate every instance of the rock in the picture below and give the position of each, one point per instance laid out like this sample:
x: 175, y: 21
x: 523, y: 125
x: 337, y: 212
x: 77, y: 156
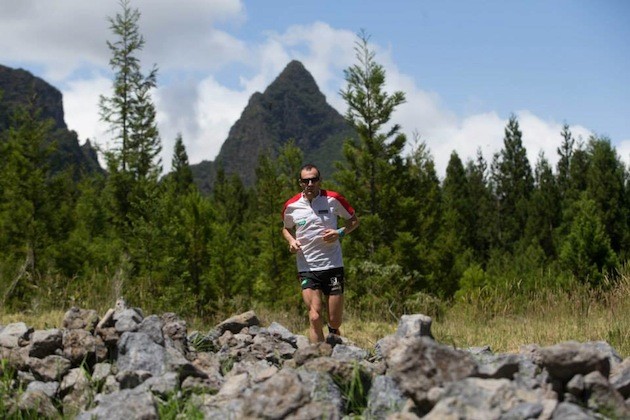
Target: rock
x: 124, y: 404
x: 15, y: 335
x: 45, y: 343
x: 564, y: 360
x: 50, y: 368
x: 476, y: 398
x: 37, y: 402
x: 236, y: 323
x: 137, y: 351
x: 417, y: 325
x: 76, y: 318
x: 127, y: 320
x: 419, y: 364
x: 620, y: 378
x: 384, y: 398
x: 243, y: 370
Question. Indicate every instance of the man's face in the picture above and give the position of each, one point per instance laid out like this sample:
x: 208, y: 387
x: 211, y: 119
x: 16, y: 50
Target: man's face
x: 309, y: 181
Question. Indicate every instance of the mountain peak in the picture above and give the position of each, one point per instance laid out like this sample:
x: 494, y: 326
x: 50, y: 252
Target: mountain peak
x: 291, y: 108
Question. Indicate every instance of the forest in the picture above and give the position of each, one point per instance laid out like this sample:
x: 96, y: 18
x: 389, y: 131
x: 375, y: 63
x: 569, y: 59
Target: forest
x: 490, y: 223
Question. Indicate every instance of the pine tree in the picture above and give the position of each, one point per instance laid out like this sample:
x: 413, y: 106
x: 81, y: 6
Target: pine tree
x: 132, y: 164
x: 181, y: 175
x: 565, y: 153
x: 373, y: 166
x: 605, y: 184
x: 514, y: 183
x: 545, y: 209
x: 481, y: 220
x: 586, y: 251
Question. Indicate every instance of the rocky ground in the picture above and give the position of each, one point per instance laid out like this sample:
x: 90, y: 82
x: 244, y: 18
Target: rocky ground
x: 126, y: 365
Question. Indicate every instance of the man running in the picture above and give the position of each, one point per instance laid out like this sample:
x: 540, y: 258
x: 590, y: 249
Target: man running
x: 310, y: 228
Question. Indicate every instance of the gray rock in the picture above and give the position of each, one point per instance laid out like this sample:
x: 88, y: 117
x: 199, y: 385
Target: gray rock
x: 76, y: 318
x: 620, y: 378
x: 124, y: 404
x: 45, y: 343
x: 80, y: 346
x: 419, y: 364
x: 236, y: 323
x: 499, y: 366
x: 127, y: 320
x: 101, y: 371
x: 384, y: 398
x: 14, y: 335
x: 137, y: 351
x: 283, y: 333
x: 566, y: 410
x: 75, y: 389
x: 349, y: 352
x: 152, y: 326
x: 37, y: 402
x: 602, y: 396
x: 416, y: 325
x: 50, y: 368
x: 276, y: 398
x: 49, y: 388
x: 564, y: 360
x: 475, y: 398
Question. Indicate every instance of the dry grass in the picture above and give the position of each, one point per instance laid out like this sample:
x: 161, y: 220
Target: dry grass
x: 502, y: 322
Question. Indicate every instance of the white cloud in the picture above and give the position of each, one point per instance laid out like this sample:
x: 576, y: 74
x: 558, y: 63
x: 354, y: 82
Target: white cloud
x: 80, y: 102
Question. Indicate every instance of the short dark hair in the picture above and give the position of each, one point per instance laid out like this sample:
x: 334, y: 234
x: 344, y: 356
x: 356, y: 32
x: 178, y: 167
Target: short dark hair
x: 308, y: 167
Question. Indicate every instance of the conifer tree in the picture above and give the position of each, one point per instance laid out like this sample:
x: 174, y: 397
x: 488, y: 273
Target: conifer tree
x: 132, y: 163
x: 514, y: 183
x: 544, y: 210
x: 586, y: 251
x: 565, y: 152
x: 605, y: 184
x: 181, y: 174
x: 373, y: 166
x: 481, y: 220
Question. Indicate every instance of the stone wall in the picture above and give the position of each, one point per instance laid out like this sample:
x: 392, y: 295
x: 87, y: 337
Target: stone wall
x: 126, y: 365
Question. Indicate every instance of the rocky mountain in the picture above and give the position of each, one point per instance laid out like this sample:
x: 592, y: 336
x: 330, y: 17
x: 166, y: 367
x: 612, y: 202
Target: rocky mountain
x: 291, y: 108
x: 20, y: 88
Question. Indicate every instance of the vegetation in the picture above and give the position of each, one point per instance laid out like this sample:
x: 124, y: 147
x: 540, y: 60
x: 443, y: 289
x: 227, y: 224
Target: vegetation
x: 490, y: 245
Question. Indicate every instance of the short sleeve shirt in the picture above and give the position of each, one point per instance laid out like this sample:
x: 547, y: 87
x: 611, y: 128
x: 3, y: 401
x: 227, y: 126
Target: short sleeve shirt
x: 310, y: 219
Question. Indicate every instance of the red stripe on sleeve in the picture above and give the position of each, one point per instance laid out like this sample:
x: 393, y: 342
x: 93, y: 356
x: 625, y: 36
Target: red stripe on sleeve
x: 341, y: 199
x: 291, y: 200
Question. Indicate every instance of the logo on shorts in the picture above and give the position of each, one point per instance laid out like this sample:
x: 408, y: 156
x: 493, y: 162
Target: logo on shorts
x: 334, y: 281
x: 301, y: 222
x: 304, y: 282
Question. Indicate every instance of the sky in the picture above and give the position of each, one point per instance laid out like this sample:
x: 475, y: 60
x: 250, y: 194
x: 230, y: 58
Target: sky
x: 464, y: 66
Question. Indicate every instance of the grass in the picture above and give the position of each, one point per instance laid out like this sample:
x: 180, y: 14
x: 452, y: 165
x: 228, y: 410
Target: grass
x: 497, y: 319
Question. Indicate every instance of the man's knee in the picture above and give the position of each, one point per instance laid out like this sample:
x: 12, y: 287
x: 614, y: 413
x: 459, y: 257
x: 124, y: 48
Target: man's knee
x: 315, y: 316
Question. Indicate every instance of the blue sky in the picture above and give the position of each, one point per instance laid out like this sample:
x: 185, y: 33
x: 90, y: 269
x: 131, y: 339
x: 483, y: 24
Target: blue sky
x: 465, y: 66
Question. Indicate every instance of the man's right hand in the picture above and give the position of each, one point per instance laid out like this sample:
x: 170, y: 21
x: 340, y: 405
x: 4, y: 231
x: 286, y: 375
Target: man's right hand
x: 294, y: 246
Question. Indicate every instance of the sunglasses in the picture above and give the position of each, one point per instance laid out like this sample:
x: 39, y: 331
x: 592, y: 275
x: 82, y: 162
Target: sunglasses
x: 307, y: 181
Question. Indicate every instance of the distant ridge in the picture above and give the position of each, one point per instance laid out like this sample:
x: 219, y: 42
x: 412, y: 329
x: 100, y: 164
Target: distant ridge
x: 292, y: 107
x: 20, y: 88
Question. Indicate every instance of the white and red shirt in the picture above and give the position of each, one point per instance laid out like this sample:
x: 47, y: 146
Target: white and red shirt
x: 310, y: 219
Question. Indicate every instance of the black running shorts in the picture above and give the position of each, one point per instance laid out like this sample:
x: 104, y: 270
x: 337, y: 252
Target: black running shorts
x: 330, y: 282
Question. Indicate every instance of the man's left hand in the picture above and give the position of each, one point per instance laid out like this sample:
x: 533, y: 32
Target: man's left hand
x: 330, y: 235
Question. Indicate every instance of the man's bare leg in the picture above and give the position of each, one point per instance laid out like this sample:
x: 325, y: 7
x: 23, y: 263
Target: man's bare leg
x: 313, y: 300
x: 335, y: 311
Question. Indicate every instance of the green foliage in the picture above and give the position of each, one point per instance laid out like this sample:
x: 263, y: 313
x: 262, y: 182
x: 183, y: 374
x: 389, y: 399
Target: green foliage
x: 178, y: 405
x: 586, y: 251
x: 354, y: 390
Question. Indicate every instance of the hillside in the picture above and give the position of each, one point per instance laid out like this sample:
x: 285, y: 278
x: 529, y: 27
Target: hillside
x: 291, y: 108
x: 19, y: 88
